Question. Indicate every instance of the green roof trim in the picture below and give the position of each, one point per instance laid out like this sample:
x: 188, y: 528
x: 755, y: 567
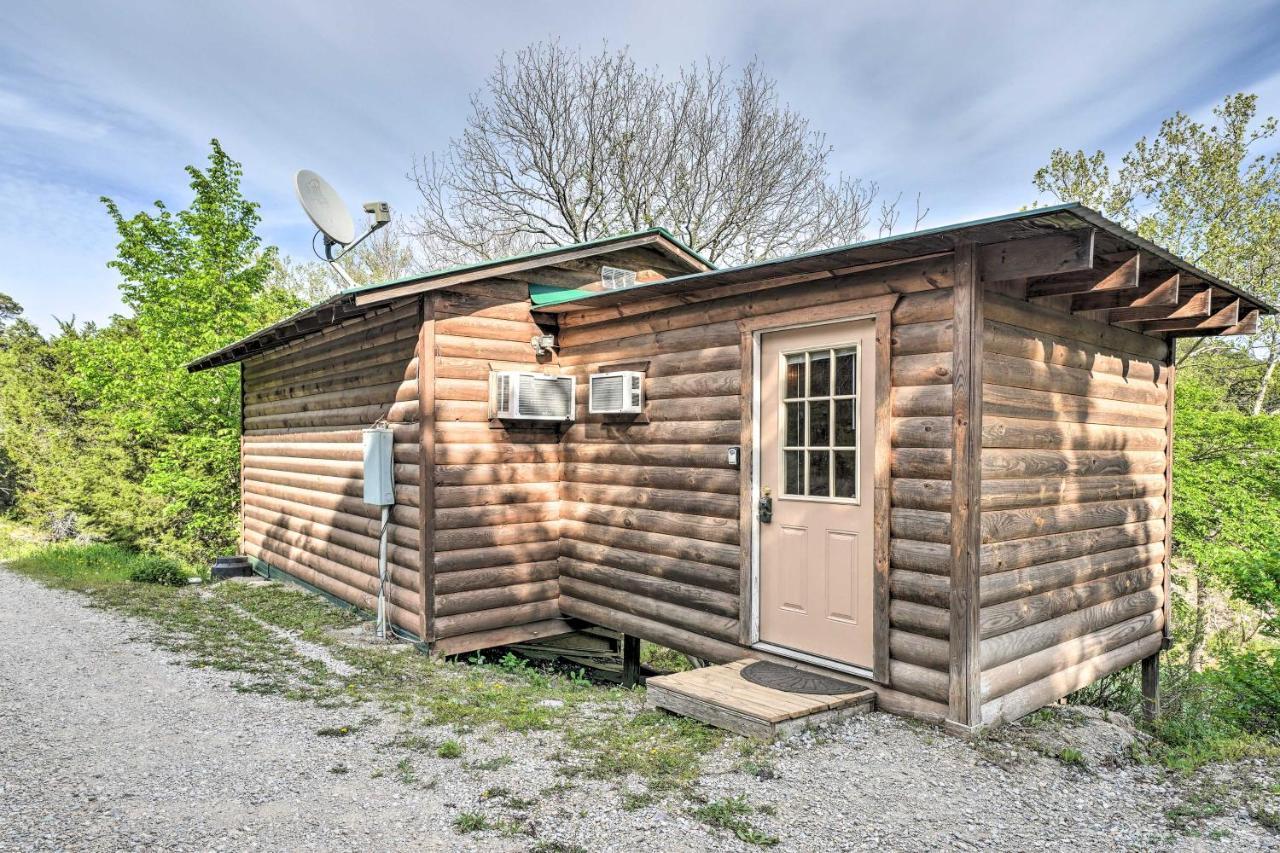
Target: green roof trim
x: 550, y: 294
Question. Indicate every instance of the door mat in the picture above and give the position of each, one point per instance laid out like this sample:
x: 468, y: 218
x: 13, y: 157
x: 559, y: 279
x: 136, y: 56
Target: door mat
x: 792, y: 680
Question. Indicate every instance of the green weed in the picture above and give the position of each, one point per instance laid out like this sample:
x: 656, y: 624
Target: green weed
x: 1071, y: 756
x: 731, y: 813
x: 471, y: 822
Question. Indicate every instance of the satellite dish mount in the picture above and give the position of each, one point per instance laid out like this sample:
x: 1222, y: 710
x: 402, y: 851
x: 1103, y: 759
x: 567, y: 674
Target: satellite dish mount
x: 327, y: 211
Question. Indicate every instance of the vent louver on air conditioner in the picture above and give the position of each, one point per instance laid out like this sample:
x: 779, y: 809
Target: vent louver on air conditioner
x: 531, y: 396
x: 621, y: 392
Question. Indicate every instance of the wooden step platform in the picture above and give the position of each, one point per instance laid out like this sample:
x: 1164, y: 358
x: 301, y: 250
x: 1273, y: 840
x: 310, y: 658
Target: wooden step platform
x: 719, y: 695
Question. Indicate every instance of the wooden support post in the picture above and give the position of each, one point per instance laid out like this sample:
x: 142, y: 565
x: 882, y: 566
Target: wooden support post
x: 1151, y: 686
x: 630, y: 660
x: 426, y: 352
x: 965, y: 698
x: 1171, y: 362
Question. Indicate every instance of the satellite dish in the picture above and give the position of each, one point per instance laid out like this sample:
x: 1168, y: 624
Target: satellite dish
x: 324, y: 207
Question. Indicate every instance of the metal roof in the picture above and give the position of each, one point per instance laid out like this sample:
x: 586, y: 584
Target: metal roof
x: 346, y: 303
x: 1028, y: 222
x: 1024, y: 223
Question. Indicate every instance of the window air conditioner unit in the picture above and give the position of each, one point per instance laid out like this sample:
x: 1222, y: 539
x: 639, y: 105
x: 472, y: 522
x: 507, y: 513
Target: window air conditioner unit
x: 620, y: 393
x: 531, y: 396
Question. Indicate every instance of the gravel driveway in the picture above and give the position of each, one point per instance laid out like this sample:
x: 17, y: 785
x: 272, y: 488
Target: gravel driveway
x: 109, y: 743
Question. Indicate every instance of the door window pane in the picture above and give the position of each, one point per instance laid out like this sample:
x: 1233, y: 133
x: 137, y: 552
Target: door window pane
x: 846, y: 371
x: 819, y: 473
x: 846, y: 431
x: 846, y: 474
x: 793, y: 476
x: 819, y: 374
x: 795, y: 376
x: 820, y: 423
x: 795, y: 425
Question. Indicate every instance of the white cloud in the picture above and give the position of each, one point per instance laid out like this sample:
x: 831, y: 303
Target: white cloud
x: 959, y: 101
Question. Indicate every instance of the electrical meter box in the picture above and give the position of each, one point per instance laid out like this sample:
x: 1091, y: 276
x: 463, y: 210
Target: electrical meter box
x: 379, y: 470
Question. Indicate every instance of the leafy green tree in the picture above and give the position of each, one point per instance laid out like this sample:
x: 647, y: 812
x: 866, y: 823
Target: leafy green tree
x: 103, y: 425
x: 40, y: 424
x: 167, y: 440
x: 1227, y: 511
x: 1204, y: 192
x: 9, y: 309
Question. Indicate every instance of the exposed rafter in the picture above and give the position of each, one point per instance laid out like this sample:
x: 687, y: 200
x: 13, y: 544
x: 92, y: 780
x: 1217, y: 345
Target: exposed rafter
x: 1051, y: 254
x: 1154, y: 288
x: 1226, y: 313
x: 1105, y: 277
x: 1248, y: 325
x: 1193, y: 305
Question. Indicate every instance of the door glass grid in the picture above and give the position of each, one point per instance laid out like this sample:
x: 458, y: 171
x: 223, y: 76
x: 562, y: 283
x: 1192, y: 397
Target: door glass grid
x: 820, y: 423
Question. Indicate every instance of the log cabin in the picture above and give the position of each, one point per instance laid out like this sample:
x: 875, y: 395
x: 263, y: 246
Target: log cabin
x: 937, y: 463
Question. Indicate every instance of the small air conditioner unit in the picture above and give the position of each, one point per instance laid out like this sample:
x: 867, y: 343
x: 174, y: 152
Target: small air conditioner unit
x: 531, y: 396
x: 618, y: 393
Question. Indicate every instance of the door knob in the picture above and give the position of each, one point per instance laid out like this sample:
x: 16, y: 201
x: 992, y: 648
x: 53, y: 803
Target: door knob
x: 765, y: 508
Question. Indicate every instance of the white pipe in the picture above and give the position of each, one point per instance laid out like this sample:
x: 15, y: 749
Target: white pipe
x: 382, y: 574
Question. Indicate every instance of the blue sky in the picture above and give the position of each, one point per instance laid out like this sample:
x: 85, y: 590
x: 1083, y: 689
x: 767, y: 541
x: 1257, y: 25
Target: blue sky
x: 959, y: 101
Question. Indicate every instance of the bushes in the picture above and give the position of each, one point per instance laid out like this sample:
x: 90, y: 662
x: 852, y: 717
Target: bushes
x: 1226, y: 712
x: 105, y: 421
x: 150, y: 568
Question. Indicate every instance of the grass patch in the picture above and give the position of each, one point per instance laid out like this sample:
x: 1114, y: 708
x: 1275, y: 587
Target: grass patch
x: 662, y: 659
x: 471, y: 822
x: 1195, y: 808
x: 665, y: 751
x: 246, y: 629
x: 449, y: 749
x: 1071, y: 757
x: 557, y: 847
x: 732, y: 813
x: 495, y: 763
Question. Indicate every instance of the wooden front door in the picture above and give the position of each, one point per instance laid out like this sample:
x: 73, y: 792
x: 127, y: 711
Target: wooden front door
x: 817, y: 428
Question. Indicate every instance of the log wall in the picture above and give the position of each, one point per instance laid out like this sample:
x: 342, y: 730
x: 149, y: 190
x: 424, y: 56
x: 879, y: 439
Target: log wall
x: 651, y: 510
x: 1073, y: 503
x: 305, y: 405
x: 497, y: 489
x: 637, y: 523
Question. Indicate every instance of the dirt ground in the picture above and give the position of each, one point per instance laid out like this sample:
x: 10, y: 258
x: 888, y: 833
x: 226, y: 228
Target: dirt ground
x: 109, y: 742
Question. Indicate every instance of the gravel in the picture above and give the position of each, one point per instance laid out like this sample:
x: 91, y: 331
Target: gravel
x: 111, y: 743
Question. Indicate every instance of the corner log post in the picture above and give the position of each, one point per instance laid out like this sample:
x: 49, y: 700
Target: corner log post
x: 426, y: 354
x: 1068, y: 254
x: 965, y: 697
x: 1151, y: 665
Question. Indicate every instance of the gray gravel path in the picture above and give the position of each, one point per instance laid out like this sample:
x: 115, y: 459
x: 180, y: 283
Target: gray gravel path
x: 109, y: 743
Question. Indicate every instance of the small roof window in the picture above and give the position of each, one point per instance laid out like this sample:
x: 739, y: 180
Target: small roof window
x: 616, y: 278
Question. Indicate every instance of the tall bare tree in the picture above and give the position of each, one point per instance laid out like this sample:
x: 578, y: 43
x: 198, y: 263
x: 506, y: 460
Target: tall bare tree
x: 562, y: 147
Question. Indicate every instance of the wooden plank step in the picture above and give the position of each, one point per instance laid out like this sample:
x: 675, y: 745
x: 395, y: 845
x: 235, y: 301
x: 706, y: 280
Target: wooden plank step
x: 720, y: 696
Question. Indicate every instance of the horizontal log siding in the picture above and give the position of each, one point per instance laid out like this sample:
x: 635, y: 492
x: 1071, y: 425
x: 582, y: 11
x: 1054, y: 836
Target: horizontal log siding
x: 302, y: 474
x: 920, y: 429
x: 497, y: 490
x: 650, y: 510
x: 1073, y: 506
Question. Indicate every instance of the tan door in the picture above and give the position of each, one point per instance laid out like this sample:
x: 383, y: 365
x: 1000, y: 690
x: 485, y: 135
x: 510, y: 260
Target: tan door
x: 817, y: 427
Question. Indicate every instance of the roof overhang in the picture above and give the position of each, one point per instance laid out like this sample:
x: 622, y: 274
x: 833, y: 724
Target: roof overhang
x: 357, y: 301
x: 869, y: 254
x: 827, y: 263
